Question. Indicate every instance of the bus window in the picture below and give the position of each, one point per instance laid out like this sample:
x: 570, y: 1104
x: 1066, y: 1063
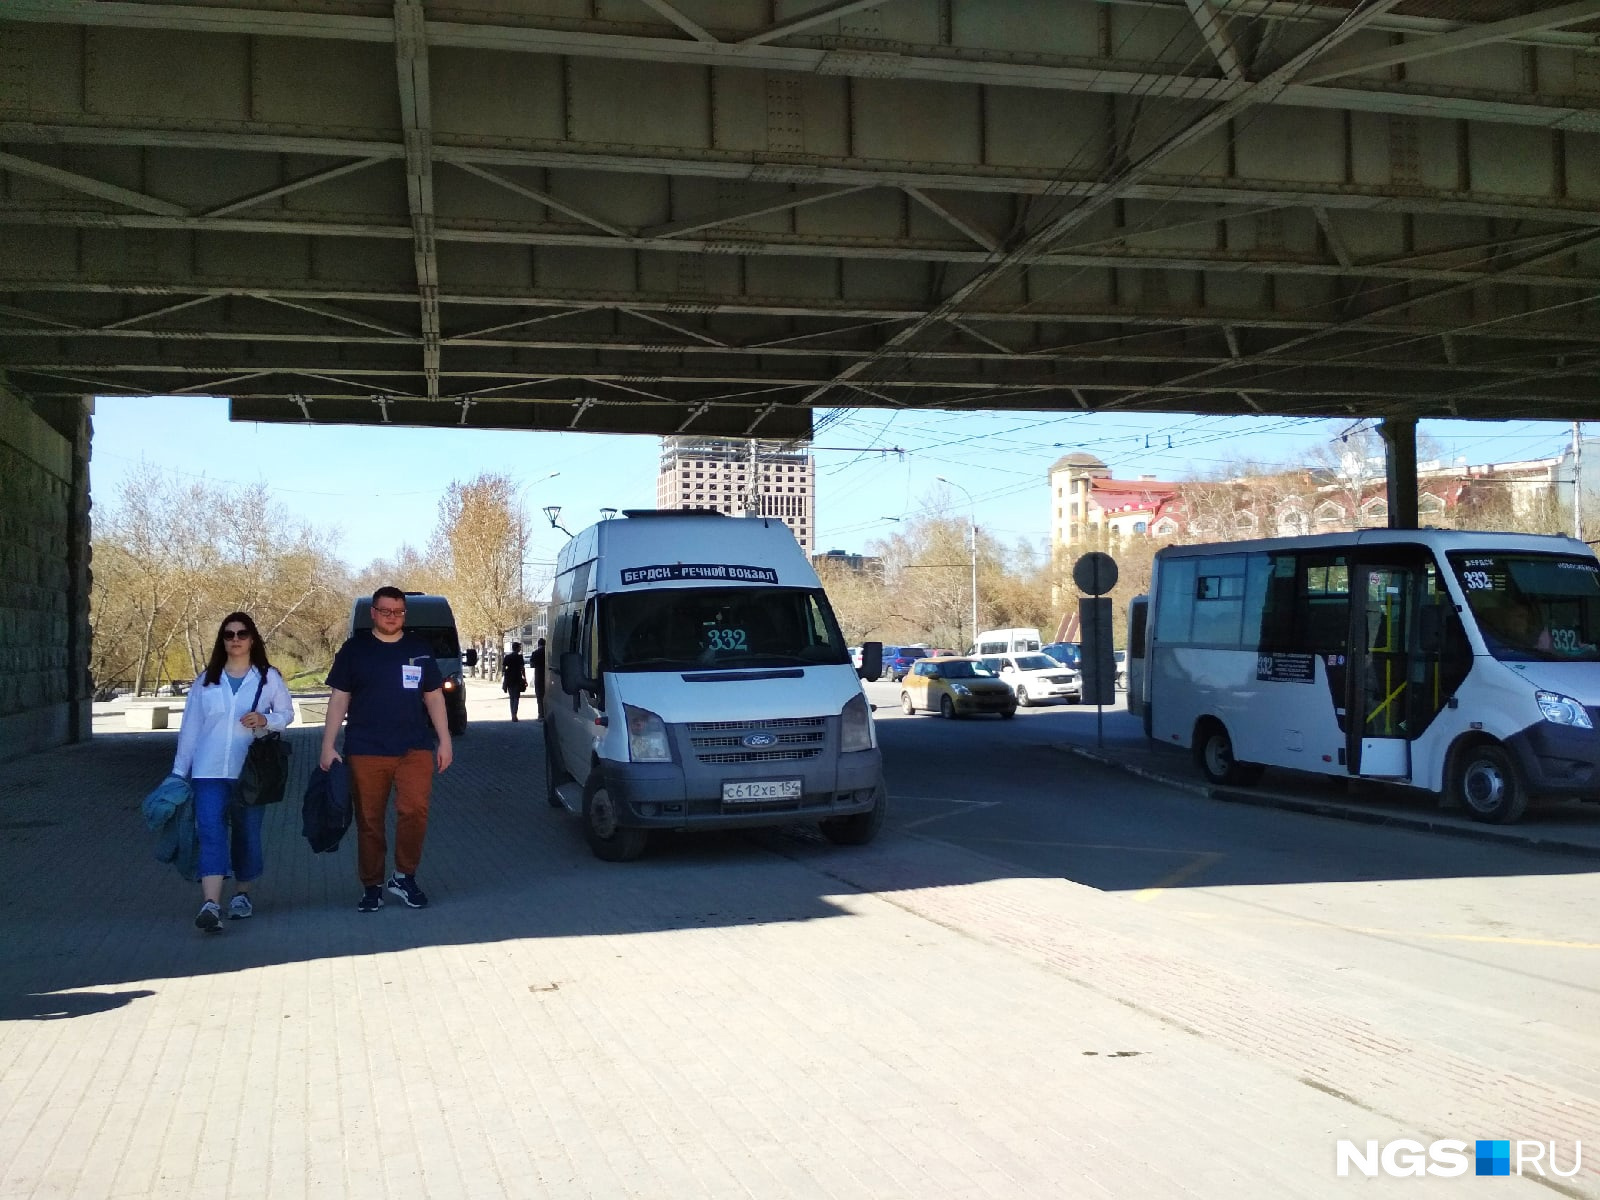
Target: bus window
x: 1219, y: 601
x: 1533, y: 607
x: 1175, y: 601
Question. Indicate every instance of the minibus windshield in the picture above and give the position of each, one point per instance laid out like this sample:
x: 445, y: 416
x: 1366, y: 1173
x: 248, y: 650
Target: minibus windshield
x: 1533, y: 607
x: 672, y: 629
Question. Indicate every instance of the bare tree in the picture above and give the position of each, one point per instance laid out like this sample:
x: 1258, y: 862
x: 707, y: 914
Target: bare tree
x: 171, y: 558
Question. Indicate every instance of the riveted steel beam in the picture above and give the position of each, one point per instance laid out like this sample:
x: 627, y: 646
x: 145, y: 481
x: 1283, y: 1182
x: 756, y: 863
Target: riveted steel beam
x: 411, y: 72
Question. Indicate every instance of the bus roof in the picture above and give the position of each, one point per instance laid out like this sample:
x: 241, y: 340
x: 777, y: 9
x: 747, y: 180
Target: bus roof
x: 1437, y: 539
x: 689, y: 550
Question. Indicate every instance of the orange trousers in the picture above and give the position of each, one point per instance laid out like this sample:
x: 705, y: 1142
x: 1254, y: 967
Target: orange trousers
x: 371, y: 777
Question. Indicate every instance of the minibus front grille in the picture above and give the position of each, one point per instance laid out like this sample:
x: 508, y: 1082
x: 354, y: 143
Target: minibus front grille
x: 696, y: 727
x: 732, y: 740
x: 756, y: 756
x: 793, y: 739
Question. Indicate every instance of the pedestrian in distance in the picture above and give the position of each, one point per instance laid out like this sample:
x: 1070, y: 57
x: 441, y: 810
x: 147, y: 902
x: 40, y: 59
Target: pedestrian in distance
x: 386, y: 682
x: 514, y: 677
x: 240, y: 696
x: 536, y: 668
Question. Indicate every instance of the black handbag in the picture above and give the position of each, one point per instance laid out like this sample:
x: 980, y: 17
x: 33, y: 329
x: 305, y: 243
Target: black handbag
x: 264, y: 778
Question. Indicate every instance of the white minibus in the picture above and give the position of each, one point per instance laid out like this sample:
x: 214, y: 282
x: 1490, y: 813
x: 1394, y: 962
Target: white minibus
x: 698, y: 680
x: 1006, y: 641
x: 1460, y: 662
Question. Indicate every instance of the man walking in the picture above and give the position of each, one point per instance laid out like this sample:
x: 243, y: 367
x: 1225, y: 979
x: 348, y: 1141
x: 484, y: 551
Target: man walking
x: 536, y: 668
x: 513, y: 677
x: 387, y: 683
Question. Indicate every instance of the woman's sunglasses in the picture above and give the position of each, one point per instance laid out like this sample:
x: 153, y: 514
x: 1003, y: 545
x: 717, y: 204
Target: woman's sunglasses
x: 235, y: 634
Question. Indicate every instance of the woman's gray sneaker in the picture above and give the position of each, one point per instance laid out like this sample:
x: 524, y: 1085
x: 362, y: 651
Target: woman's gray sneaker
x: 209, y: 918
x: 240, y: 907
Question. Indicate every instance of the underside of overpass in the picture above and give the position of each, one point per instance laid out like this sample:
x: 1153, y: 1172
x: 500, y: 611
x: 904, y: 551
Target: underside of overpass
x: 713, y: 216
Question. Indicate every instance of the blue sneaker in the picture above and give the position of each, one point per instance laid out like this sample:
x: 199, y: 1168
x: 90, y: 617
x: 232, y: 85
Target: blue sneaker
x: 405, y: 886
x: 371, y: 899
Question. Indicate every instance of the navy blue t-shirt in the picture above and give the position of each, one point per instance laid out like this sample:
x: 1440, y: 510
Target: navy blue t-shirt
x: 386, y: 682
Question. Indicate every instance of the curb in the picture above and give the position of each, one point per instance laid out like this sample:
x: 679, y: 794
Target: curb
x: 1343, y: 812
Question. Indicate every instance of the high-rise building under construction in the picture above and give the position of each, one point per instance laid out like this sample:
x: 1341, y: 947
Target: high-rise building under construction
x: 742, y: 477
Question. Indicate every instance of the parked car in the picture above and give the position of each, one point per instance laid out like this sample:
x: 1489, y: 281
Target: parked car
x: 1033, y: 678
x: 855, y: 657
x: 1068, y: 654
x: 897, y: 660
x: 943, y: 652
x: 1122, y: 670
x: 955, y: 687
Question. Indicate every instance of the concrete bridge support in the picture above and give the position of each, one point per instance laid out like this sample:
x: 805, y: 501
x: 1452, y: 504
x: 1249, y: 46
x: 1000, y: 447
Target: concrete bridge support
x: 44, y: 573
x: 1400, y: 466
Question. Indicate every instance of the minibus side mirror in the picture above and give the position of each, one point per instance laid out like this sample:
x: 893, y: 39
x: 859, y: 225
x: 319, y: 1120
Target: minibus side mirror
x: 573, y: 680
x: 871, y: 661
x: 1430, y: 629
x: 470, y: 658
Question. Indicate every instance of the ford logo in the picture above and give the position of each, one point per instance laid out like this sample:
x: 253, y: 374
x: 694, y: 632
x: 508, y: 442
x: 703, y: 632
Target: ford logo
x: 757, y: 740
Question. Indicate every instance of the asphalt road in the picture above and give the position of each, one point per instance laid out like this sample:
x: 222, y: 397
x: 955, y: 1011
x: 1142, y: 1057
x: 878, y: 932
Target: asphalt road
x: 1497, y: 942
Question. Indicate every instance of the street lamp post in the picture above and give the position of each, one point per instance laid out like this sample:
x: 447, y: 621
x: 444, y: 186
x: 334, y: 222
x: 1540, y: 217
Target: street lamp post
x: 972, y: 527
x: 522, y: 547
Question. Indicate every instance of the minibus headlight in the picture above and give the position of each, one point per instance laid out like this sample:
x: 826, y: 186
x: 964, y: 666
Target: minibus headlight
x: 855, y: 725
x: 647, y: 736
x: 1563, y: 710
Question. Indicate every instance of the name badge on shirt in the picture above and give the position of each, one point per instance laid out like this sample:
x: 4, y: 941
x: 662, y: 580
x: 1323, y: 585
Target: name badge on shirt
x: 411, y: 677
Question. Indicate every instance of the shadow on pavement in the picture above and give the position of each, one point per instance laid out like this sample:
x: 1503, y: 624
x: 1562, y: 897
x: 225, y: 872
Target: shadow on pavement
x: 87, y: 910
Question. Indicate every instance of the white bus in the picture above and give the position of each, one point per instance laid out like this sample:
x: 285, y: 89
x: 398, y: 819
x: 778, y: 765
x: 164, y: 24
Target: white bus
x: 698, y: 680
x: 1459, y: 662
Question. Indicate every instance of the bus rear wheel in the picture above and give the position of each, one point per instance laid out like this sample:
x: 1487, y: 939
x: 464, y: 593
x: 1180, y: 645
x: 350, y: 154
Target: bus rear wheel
x: 1486, y: 784
x: 1213, y: 753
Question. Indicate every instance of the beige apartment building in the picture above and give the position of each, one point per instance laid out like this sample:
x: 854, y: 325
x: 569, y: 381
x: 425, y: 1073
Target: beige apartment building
x: 741, y: 477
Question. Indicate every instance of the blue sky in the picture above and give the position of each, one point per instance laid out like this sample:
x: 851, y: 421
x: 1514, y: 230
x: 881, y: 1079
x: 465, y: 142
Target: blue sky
x: 381, y: 486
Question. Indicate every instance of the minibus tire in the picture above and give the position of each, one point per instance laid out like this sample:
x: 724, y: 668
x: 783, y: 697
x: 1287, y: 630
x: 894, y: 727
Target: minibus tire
x: 859, y: 828
x: 552, y: 770
x: 1486, y: 769
x: 609, y: 841
x: 1213, y: 754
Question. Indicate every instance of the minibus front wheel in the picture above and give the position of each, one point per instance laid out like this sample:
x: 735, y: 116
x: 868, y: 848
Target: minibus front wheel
x: 1485, y: 783
x: 610, y: 841
x: 1213, y: 754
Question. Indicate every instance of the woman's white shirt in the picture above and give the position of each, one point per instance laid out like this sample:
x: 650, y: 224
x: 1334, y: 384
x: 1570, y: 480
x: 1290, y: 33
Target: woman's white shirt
x: 212, y: 743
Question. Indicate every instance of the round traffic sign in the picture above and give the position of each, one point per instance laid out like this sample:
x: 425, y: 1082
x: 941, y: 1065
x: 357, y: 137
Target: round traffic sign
x: 1095, y: 573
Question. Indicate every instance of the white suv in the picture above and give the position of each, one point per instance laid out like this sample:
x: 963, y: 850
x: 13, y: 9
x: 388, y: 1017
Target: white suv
x: 1036, y: 678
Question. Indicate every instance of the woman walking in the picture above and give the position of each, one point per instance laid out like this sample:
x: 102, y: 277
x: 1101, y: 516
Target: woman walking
x: 514, y: 677
x: 238, y: 697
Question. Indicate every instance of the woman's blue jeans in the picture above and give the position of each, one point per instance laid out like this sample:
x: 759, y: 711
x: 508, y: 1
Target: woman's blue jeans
x: 230, y: 841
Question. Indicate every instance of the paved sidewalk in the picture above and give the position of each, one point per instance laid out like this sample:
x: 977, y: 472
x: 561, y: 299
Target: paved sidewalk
x: 731, y: 1016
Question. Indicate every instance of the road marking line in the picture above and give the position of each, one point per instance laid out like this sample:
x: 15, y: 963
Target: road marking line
x: 1199, y: 863
x: 971, y: 804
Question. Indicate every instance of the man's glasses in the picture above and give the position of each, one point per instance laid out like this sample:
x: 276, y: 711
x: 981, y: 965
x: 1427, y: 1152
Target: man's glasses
x: 390, y: 612
x: 235, y: 634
